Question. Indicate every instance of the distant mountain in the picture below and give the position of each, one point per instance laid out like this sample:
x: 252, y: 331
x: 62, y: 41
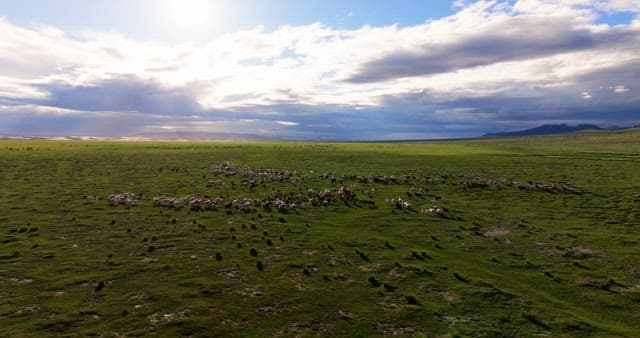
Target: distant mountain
x: 548, y: 129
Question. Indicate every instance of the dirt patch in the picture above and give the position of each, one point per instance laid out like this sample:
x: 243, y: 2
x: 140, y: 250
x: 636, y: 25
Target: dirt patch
x: 309, y: 252
x: 341, y: 277
x: 370, y: 267
x: 300, y: 330
x: 396, y: 274
x: 28, y: 309
x: 249, y: 293
x: 268, y: 309
x: 455, y: 320
x: 276, y: 258
x: 496, y: 232
x: 390, y: 329
x: 450, y: 297
x: 163, y: 318
x: 582, y: 250
x: 346, y: 315
x: 579, y: 252
x: 231, y: 273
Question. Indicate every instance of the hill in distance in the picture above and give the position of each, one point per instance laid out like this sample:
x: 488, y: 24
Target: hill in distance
x: 549, y: 129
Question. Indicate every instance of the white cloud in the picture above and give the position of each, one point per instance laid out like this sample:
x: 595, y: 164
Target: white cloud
x: 618, y: 5
x: 458, y: 4
x: 620, y: 89
x: 555, y: 7
x: 38, y: 109
x: 288, y: 123
x: 302, y: 64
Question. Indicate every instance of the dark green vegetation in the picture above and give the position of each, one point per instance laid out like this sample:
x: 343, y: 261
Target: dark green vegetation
x: 479, y: 250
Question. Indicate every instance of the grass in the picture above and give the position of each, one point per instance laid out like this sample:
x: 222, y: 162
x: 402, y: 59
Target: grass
x: 497, y: 259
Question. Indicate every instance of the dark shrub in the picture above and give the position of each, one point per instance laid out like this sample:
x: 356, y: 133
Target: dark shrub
x: 411, y: 300
x: 389, y: 288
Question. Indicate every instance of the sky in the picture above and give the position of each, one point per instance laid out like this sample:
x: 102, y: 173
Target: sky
x: 321, y: 70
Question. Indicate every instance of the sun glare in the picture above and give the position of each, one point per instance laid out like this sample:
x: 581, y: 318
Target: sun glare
x: 190, y: 13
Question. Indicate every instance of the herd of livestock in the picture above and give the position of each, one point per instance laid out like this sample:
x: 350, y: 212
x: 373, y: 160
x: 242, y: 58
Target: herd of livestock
x: 342, y: 194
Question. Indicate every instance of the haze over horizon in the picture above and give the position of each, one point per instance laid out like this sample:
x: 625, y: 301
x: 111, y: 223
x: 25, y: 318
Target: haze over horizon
x: 351, y: 70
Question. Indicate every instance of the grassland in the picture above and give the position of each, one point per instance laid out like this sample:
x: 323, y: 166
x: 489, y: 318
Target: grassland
x: 482, y: 249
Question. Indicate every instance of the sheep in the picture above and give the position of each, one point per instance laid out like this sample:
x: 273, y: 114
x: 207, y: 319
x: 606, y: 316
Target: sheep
x: 432, y: 210
x: 398, y: 203
x: 128, y: 199
x: 195, y: 202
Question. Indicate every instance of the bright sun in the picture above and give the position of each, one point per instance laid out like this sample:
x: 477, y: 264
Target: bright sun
x: 190, y: 13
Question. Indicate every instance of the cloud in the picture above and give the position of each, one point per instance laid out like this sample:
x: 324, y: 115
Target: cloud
x: 491, y: 66
x: 457, y: 4
x: 620, y: 89
x: 122, y: 93
x: 288, y: 123
x: 27, y: 121
x: 505, y: 38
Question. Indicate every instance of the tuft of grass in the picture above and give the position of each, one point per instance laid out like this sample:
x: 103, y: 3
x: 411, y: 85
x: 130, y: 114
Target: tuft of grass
x: 530, y: 317
x: 460, y: 278
x: 363, y: 255
x: 389, y: 287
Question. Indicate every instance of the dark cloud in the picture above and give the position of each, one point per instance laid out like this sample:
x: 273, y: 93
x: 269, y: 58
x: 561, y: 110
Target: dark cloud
x: 122, y: 93
x: 520, y: 105
x: 517, y: 38
x: 340, y: 122
x: 32, y: 124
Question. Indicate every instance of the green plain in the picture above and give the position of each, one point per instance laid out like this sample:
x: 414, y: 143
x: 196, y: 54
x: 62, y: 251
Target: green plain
x: 499, y: 261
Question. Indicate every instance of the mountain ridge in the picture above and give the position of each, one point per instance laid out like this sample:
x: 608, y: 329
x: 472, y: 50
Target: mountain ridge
x: 547, y: 129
